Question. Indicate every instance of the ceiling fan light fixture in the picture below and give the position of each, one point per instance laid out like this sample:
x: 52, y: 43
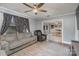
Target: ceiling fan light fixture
x: 35, y: 10
x: 35, y: 13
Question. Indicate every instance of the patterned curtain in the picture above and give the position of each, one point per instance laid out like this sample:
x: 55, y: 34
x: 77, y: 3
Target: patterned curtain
x: 21, y: 24
x: 26, y: 24
x: 6, y: 22
x: 17, y: 23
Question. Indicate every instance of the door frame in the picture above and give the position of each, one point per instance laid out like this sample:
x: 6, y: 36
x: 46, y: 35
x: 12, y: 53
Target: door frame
x: 52, y: 21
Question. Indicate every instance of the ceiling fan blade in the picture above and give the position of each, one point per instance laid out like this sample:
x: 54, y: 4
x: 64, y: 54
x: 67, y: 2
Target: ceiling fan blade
x: 27, y: 5
x: 27, y: 11
x: 43, y: 10
x: 40, y: 5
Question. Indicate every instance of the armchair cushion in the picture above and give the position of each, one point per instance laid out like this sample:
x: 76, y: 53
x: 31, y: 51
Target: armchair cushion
x: 44, y: 36
x: 40, y: 36
x: 37, y: 32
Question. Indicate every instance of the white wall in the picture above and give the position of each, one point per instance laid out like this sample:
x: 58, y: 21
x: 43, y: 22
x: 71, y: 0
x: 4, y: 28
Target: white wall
x: 38, y: 24
x: 1, y: 20
x: 68, y: 27
x: 32, y: 25
x: 76, y: 30
x: 5, y: 10
x: 35, y: 25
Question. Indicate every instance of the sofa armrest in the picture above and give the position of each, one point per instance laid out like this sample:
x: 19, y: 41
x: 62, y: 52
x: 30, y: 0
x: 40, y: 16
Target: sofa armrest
x: 35, y: 37
x: 3, y: 53
x: 5, y: 46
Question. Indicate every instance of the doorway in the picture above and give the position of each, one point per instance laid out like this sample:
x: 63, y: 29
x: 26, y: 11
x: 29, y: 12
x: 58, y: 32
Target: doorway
x: 54, y: 30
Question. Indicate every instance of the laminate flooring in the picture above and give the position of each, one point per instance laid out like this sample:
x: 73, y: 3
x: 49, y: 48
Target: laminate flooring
x: 45, y: 48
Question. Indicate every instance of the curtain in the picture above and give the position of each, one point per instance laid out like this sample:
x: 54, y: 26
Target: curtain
x: 6, y: 22
x: 21, y: 24
x: 27, y: 24
x: 17, y: 23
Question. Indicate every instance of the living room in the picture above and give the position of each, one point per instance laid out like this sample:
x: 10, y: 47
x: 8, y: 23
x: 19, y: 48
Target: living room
x: 22, y: 23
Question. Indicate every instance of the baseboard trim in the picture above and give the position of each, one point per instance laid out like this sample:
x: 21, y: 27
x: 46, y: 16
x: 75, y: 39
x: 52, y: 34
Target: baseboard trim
x: 66, y: 42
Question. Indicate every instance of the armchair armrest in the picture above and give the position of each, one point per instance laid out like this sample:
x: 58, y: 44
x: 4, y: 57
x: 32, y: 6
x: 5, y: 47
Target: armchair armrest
x: 44, y: 35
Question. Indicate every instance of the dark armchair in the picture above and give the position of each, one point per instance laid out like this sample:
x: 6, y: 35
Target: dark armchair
x: 40, y: 36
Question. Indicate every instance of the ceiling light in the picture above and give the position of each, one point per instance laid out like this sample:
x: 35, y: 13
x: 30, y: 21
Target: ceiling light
x: 35, y: 10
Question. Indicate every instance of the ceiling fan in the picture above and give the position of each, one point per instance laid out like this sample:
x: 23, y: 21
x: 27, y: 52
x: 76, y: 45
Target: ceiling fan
x: 35, y: 8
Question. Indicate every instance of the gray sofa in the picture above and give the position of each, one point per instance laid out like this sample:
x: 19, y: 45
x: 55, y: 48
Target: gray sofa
x: 15, y: 42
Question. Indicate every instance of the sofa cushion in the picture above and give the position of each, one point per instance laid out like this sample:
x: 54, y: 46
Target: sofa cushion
x: 27, y: 35
x: 5, y: 46
x: 3, y: 37
x: 21, y: 42
x: 20, y: 36
x: 3, y: 53
x: 11, y: 38
x: 23, y: 35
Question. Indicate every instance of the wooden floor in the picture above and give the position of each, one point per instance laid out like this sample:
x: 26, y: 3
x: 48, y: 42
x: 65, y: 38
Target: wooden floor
x: 46, y: 48
x: 57, y: 38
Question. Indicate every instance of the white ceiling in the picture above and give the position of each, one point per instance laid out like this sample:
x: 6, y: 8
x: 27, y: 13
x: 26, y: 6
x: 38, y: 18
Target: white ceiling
x: 53, y: 9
